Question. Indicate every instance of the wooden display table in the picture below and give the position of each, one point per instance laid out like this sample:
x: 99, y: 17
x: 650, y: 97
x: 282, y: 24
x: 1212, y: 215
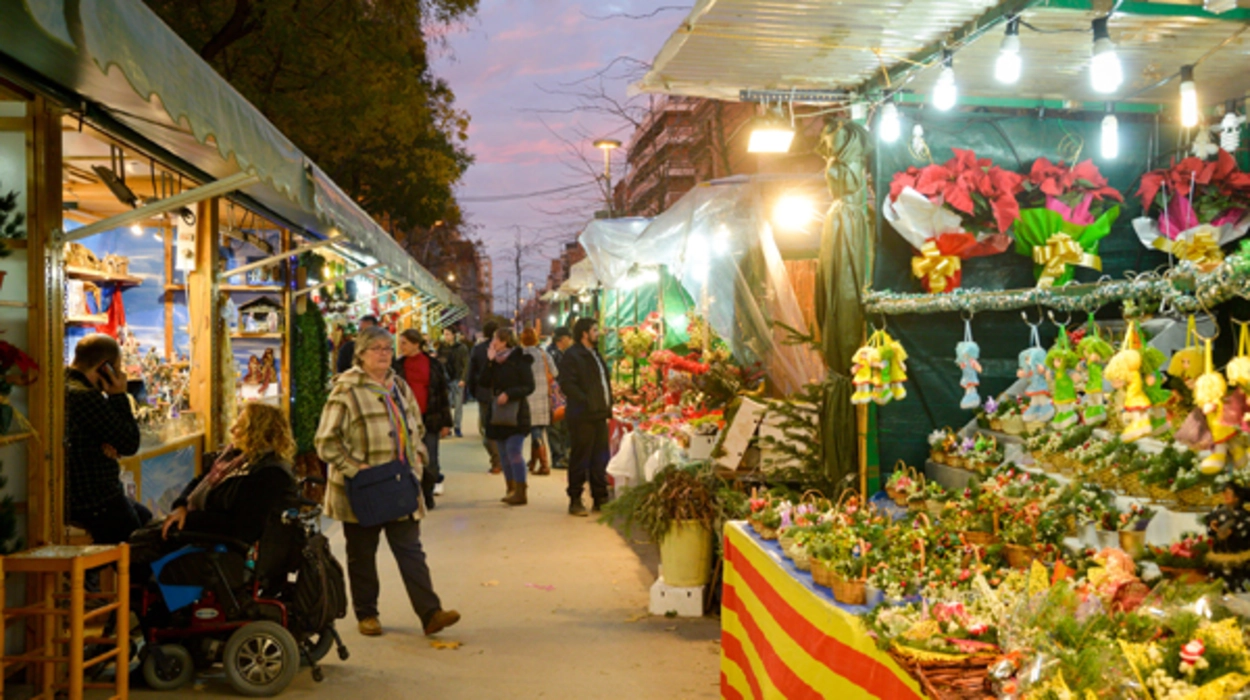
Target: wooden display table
x: 782, y: 636
x: 61, y: 618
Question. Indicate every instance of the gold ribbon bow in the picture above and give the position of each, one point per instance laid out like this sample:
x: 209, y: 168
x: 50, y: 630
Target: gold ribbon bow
x: 1201, y: 249
x: 1059, y: 252
x: 934, y: 266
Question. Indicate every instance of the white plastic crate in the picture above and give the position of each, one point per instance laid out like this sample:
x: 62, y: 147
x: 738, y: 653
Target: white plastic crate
x: 685, y: 602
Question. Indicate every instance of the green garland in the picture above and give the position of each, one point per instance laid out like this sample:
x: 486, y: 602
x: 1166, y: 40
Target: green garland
x: 1183, y: 287
x: 310, y: 367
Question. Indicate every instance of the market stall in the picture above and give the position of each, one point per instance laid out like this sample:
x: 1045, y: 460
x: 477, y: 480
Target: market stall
x: 1054, y: 272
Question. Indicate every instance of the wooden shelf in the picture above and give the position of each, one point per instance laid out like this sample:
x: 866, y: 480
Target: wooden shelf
x: 175, y: 288
x: 250, y: 288
x: 15, y: 437
x: 82, y: 273
x: 257, y: 336
x: 95, y: 320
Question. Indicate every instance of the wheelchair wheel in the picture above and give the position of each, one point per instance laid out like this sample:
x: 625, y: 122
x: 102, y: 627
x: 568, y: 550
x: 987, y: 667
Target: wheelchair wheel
x: 261, y: 659
x: 171, y: 670
x: 320, y: 644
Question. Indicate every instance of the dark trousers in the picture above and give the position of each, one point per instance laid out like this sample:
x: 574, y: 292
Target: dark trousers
x: 484, y: 404
x: 112, y: 521
x: 432, y: 473
x: 404, y: 537
x: 589, y: 455
x: 558, y: 440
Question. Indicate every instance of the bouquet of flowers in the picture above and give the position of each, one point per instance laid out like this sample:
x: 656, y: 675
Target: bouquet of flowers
x: 1065, y: 211
x: 1193, y: 208
x: 953, y: 211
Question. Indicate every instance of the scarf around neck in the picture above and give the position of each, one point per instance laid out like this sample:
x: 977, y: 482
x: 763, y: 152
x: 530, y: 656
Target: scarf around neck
x: 232, y: 462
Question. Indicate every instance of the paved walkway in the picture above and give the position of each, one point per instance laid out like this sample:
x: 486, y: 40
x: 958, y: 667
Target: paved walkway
x: 553, y: 607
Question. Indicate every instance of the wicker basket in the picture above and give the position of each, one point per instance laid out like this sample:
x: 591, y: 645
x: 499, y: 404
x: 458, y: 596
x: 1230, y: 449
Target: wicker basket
x: 1019, y: 556
x: 947, y: 676
x: 854, y: 592
x: 1161, y: 495
x: 983, y: 539
x: 996, y: 424
x: 802, y: 560
x: 821, y: 574
x: 1196, y: 497
x: 1187, y: 576
x: 1130, y: 485
x: 1013, y: 425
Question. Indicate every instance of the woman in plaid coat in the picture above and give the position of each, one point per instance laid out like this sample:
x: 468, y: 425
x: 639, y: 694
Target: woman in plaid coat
x: 372, y: 418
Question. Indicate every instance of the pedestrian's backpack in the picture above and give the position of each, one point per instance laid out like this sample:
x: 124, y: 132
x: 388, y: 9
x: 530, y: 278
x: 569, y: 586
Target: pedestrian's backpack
x: 320, y: 589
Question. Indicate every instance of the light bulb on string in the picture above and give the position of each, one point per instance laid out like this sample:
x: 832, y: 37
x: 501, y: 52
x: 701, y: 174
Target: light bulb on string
x: 1008, y: 65
x: 1230, y: 127
x: 889, y: 128
x: 1189, y: 98
x: 136, y: 229
x: 945, y: 92
x: 1110, y: 135
x: 1105, y: 72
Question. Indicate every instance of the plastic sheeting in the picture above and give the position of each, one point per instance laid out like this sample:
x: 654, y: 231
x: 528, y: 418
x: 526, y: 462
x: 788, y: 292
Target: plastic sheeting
x: 718, y: 242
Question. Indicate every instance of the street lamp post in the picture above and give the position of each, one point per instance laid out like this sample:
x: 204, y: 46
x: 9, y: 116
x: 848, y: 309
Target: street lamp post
x: 607, y: 146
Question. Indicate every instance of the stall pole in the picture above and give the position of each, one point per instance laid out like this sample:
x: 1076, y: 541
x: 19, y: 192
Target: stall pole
x: 45, y: 467
x: 203, y: 307
x: 288, y: 323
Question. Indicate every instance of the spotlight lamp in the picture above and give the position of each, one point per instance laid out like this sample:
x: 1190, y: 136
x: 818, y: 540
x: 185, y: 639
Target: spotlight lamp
x: 771, y: 135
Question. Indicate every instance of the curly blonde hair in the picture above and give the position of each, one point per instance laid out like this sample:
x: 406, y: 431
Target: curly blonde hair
x: 264, y: 429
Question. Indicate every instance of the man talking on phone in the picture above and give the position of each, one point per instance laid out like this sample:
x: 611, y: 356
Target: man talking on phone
x: 99, y: 427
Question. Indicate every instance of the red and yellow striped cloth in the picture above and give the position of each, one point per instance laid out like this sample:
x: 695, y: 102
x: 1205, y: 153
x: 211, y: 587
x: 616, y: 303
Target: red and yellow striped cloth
x: 783, y: 637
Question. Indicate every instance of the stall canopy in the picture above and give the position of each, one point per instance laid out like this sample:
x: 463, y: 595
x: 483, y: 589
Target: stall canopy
x: 720, y: 244
x: 726, y: 46
x: 118, y: 63
x: 581, y: 278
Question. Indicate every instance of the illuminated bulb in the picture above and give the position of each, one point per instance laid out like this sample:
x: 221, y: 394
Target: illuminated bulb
x: 136, y: 229
x: 1230, y: 129
x: 1110, y: 137
x: 1189, y: 98
x: 1007, y: 67
x: 770, y: 138
x: 889, y: 128
x: 577, y: 308
x: 945, y: 93
x: 793, y: 213
x: 1105, y: 72
x: 551, y: 320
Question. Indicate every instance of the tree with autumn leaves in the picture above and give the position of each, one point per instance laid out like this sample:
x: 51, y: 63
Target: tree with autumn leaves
x: 349, y: 82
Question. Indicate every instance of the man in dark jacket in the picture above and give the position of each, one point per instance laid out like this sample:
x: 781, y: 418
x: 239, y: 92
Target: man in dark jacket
x: 558, y: 431
x: 478, y: 359
x: 455, y: 357
x: 347, y: 351
x: 586, y: 384
x: 99, y: 427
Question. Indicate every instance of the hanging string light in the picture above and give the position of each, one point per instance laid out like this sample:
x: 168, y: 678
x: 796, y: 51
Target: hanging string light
x: 1007, y: 67
x: 945, y: 92
x: 1110, y: 134
x: 889, y: 127
x: 1189, y: 98
x: 1105, y: 72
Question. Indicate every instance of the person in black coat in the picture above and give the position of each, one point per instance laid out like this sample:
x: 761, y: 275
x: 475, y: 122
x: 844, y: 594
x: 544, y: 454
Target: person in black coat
x: 509, y: 379
x: 245, y: 490
x: 587, y: 387
x: 427, y: 379
x: 347, y: 350
x: 479, y: 358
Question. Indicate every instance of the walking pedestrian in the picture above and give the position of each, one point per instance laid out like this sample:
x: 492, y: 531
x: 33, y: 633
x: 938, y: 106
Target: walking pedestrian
x: 545, y: 373
x: 478, y: 360
x: 425, y: 377
x: 509, y: 380
x: 584, y: 381
x: 455, y: 358
x: 557, y: 432
x: 347, y: 351
x: 371, y: 418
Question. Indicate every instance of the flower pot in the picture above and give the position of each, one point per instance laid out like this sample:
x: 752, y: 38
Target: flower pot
x: 1019, y: 556
x: 1189, y: 576
x: 686, y: 554
x: 821, y: 574
x: 1107, y: 539
x: 1133, y: 542
x: 854, y: 592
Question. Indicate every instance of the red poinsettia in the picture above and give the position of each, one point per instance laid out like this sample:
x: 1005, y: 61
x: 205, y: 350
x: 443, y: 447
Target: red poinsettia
x: 983, y: 193
x: 13, y: 357
x: 1060, y: 181
x: 1210, y: 186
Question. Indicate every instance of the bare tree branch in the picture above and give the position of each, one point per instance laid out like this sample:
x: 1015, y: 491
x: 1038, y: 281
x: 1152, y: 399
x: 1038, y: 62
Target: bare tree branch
x: 653, y: 13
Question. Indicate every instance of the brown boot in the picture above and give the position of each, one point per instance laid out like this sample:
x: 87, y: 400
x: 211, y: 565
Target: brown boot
x: 544, y: 459
x: 518, y: 495
x: 533, y: 460
x: 511, y: 489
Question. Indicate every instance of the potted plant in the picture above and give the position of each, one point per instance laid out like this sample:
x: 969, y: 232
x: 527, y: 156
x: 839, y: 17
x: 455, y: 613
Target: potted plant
x: 679, y: 509
x: 1132, y: 525
x: 1184, y: 560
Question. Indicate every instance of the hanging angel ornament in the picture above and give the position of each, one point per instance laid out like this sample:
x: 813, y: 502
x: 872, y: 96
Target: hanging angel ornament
x: 1236, y: 405
x: 864, y: 363
x: 1060, y: 363
x: 892, y: 373
x: 1032, y: 369
x: 1209, y: 393
x: 1094, y: 352
x: 1124, y: 372
x: 968, y: 356
x: 1186, y: 365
